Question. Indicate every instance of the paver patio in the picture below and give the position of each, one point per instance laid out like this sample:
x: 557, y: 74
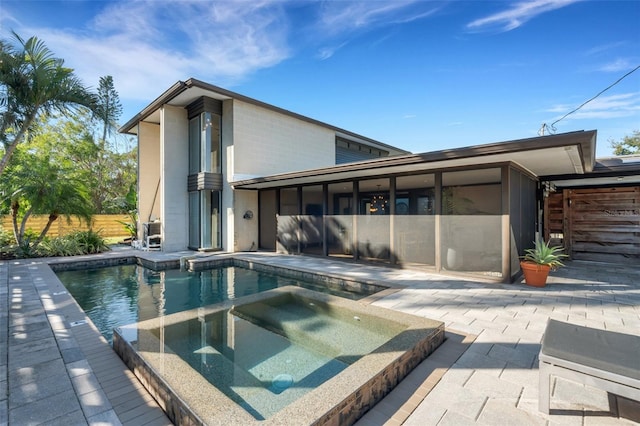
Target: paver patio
x: 56, y: 369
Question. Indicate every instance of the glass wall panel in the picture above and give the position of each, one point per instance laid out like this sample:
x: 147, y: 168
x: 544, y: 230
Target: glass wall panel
x: 194, y: 219
x: 472, y: 192
x: 194, y: 145
x: 216, y: 220
x: 211, y: 147
x: 471, y: 225
x: 415, y: 195
x: 374, y: 221
x: 339, y: 222
x: 414, y: 221
x: 204, y: 206
x: 373, y: 196
x: 205, y: 213
x: 311, y: 222
x: 289, y: 201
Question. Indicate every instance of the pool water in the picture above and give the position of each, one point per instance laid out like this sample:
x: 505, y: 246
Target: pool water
x: 117, y: 295
x: 263, y: 355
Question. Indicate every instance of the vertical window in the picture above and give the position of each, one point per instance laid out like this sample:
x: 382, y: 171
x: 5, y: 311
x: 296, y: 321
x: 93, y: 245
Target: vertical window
x: 205, y: 158
x: 194, y: 219
x: 194, y: 145
x: 216, y: 220
x: 210, y: 147
x: 205, y: 215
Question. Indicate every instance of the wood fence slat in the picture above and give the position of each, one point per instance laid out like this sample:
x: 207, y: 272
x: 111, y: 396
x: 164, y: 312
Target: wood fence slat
x: 601, y: 224
x: 107, y: 225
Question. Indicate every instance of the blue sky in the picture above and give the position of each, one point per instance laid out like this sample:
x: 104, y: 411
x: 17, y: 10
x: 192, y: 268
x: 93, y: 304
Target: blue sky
x: 420, y: 75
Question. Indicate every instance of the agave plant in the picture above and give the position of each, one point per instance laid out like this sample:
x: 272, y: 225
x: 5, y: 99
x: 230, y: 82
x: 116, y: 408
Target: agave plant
x: 542, y: 254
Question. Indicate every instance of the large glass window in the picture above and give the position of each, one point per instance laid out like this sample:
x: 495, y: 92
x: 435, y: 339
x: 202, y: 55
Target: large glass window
x: 374, y: 197
x: 374, y: 220
x: 204, y: 203
x: 194, y: 219
x: 204, y: 234
x: 194, y: 145
x: 211, y: 161
x: 289, y: 202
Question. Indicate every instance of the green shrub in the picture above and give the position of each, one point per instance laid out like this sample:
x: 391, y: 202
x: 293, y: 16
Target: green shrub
x: 73, y: 244
x: 7, y: 244
x: 6, y: 238
x: 59, y: 246
x: 90, y: 241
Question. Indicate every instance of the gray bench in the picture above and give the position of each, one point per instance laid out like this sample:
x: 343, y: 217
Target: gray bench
x: 599, y: 358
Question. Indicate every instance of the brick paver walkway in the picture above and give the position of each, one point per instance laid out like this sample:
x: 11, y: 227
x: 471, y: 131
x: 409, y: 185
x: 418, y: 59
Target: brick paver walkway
x: 56, y: 369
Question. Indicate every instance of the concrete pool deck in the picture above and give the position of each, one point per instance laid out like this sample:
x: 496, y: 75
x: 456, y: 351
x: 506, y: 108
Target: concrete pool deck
x: 55, y: 368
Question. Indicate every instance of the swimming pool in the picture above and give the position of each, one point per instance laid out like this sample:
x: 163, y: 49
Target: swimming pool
x: 113, y: 296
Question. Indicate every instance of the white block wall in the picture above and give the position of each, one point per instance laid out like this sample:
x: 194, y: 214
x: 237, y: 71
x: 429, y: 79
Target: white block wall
x: 148, y: 180
x: 266, y: 142
x: 174, y: 153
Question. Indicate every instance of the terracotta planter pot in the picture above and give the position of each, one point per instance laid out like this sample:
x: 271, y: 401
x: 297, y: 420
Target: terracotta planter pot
x: 535, y: 275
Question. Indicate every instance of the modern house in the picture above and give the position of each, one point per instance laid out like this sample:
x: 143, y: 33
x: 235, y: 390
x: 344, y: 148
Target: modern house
x: 222, y: 171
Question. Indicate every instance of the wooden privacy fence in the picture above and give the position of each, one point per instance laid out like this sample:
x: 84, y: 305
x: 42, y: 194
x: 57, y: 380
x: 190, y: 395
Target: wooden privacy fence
x: 106, y: 224
x: 597, y: 224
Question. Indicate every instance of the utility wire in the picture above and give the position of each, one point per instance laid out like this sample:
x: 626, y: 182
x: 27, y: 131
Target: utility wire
x: 552, y: 126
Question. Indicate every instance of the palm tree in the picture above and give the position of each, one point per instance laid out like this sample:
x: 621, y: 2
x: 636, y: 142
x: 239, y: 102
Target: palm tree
x: 33, y: 83
x: 34, y: 185
x: 107, y: 111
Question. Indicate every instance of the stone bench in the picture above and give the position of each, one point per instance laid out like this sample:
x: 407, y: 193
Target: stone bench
x: 602, y: 359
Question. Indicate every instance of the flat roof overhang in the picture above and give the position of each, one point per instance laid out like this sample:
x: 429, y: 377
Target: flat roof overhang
x: 615, y: 171
x: 183, y: 93
x: 563, y: 154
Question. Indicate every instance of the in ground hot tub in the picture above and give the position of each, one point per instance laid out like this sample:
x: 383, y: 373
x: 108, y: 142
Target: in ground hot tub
x: 288, y: 355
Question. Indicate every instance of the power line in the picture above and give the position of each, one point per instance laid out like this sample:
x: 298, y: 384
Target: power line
x: 552, y: 126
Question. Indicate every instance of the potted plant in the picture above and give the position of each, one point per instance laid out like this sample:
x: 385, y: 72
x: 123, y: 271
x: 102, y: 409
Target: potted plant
x: 538, y: 261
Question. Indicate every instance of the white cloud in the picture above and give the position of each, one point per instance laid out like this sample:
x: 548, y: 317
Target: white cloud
x: 343, y: 20
x: 604, y: 48
x: 345, y: 16
x: 612, y: 106
x: 148, y: 45
x: 517, y: 15
x: 617, y: 66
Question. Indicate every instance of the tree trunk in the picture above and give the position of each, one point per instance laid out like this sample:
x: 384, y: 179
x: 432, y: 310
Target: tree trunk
x: 15, y: 206
x: 10, y: 148
x: 52, y: 218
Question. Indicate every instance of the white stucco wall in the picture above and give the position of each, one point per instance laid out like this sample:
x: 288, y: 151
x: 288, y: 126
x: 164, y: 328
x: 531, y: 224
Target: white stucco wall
x: 148, y: 180
x: 174, y: 152
x: 246, y: 235
x: 228, y: 209
x: 266, y: 143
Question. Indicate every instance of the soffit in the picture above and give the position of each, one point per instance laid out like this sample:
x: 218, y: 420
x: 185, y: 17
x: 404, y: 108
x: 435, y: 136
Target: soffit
x: 615, y: 171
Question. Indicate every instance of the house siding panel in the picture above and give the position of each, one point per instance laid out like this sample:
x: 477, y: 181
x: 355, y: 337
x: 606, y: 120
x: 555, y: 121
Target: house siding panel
x: 174, y: 135
x: 267, y: 143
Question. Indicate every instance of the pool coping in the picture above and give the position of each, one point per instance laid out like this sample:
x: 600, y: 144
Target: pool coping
x: 123, y: 395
